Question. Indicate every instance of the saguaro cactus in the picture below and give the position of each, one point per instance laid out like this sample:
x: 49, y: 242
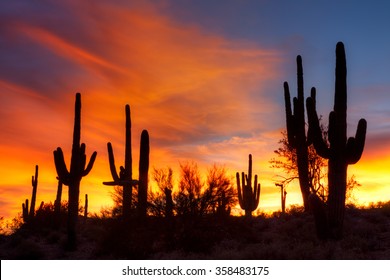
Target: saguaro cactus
x: 296, y: 135
x: 125, y: 177
x: 86, y: 208
x: 341, y: 152
x: 77, y: 170
x: 168, y: 203
x: 283, y: 196
x: 26, y: 214
x: 143, y: 174
x: 248, y: 198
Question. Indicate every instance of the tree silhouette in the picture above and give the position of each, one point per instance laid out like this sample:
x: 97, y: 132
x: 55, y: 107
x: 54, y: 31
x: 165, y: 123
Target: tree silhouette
x: 287, y: 161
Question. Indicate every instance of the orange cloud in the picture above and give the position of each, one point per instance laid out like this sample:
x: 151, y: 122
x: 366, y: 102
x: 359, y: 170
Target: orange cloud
x: 192, y: 90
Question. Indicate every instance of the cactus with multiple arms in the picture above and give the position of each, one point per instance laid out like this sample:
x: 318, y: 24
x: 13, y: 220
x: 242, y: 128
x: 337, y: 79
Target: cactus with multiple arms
x: 296, y: 135
x: 341, y: 152
x: 248, y: 197
x: 78, y: 169
x: 125, y: 177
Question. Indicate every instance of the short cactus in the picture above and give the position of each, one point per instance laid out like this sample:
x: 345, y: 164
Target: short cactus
x: 26, y: 214
x: 248, y: 198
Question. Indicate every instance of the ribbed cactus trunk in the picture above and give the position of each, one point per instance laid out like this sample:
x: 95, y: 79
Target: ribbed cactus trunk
x: 73, y: 177
x: 248, y: 198
x: 126, y: 174
x: 341, y: 151
x: 143, y: 174
x: 296, y: 132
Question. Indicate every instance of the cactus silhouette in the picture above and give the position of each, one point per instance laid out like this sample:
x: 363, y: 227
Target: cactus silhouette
x: 340, y: 153
x: 143, y: 174
x: 57, y: 202
x: 168, y: 203
x: 248, y: 198
x: 26, y: 214
x: 125, y: 177
x: 78, y: 169
x: 283, y: 196
x: 296, y: 135
x: 86, y: 208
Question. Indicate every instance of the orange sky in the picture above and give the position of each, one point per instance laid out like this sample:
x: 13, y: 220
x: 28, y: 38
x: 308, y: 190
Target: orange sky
x: 202, y: 97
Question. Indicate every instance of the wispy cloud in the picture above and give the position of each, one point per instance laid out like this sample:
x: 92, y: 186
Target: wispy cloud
x: 194, y: 91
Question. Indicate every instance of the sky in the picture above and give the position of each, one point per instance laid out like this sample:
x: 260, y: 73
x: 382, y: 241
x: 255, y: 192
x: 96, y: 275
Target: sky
x: 205, y: 78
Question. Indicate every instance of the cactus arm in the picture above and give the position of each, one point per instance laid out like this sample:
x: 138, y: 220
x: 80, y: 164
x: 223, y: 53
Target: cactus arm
x: 34, y: 179
x: 128, y: 151
x: 290, y: 120
x: 90, y: 164
x: 355, y: 145
x: 25, y: 211
x: 62, y: 171
x: 111, y: 160
x: 256, y: 193
x: 249, y: 178
x: 313, y: 95
x: 257, y: 201
x: 315, y: 130
x: 239, y: 191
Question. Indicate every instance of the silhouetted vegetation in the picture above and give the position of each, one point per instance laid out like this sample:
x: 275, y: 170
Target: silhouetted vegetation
x: 296, y: 133
x: 340, y: 153
x: 73, y: 176
x: 28, y: 215
x: 248, y: 197
x: 276, y: 236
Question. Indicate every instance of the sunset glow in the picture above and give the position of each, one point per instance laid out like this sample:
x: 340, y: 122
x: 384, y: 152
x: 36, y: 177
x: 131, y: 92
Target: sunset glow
x: 204, y: 94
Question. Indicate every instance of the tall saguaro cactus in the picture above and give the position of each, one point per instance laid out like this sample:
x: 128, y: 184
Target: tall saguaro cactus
x: 340, y: 153
x: 77, y: 171
x: 296, y: 135
x: 125, y: 176
x: 248, y: 198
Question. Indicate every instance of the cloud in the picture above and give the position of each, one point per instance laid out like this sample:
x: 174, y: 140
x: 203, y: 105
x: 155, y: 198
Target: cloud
x: 194, y: 91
